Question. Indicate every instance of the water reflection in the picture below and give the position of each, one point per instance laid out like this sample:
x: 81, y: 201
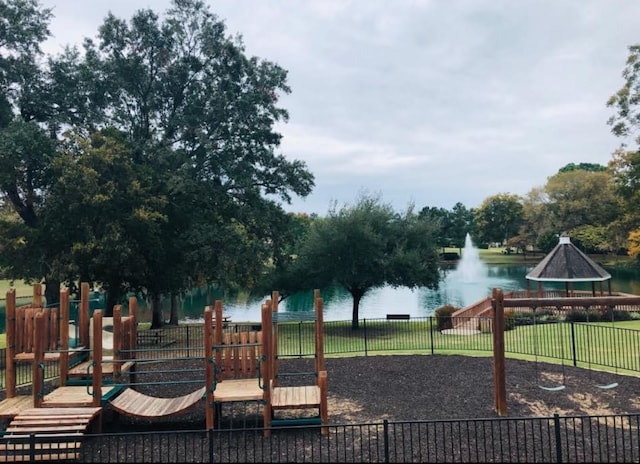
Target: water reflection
x: 381, y: 301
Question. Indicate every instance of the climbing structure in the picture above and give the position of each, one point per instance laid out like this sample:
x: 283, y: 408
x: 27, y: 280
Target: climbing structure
x: 35, y: 334
x: 57, y: 420
x: 297, y: 400
x: 117, y: 342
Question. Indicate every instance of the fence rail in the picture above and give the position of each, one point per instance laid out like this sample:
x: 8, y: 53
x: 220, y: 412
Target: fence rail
x: 612, y: 438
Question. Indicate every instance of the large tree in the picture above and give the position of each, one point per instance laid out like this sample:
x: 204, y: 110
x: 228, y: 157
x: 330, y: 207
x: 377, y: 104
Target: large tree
x: 499, y: 217
x: 197, y: 117
x: 368, y: 245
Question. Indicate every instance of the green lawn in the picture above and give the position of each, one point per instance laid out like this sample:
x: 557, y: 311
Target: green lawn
x: 593, y: 344
x: 22, y: 289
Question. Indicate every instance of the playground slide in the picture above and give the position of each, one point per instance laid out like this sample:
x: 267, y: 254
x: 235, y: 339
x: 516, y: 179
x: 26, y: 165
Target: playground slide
x: 107, y: 335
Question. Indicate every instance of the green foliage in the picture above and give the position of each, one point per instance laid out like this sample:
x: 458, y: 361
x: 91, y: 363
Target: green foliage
x: 443, y: 317
x: 515, y: 319
x: 172, y: 176
x: 367, y: 245
x: 581, y: 315
x: 591, y: 167
x: 498, y: 218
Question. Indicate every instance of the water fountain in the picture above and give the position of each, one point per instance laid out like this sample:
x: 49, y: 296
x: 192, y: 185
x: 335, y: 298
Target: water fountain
x: 469, y: 281
x: 470, y: 269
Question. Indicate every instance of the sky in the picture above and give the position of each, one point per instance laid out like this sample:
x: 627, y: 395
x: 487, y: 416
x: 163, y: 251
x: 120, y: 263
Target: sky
x: 423, y: 102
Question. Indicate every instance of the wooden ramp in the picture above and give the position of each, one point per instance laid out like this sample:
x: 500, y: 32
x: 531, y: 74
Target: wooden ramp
x: 47, y: 434
x: 136, y: 404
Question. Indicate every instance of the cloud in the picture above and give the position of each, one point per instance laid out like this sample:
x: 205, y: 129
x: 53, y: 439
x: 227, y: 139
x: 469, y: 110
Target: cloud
x: 431, y: 101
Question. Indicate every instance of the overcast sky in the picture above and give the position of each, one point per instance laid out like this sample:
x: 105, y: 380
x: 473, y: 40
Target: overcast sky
x: 425, y: 102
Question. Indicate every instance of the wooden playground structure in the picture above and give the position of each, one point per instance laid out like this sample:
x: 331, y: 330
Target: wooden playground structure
x: 238, y: 367
x: 38, y: 335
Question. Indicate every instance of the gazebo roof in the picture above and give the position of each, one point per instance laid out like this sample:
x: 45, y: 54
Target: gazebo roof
x: 566, y: 263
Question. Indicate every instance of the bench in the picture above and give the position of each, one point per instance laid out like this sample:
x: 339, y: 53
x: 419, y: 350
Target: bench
x: 151, y: 337
x: 398, y: 317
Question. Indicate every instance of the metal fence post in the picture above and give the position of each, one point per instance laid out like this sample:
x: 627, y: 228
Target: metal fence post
x: 300, y: 339
x: 573, y: 344
x: 431, y: 334
x: 364, y: 330
x: 210, y: 445
x: 385, y: 431
x: 556, y: 426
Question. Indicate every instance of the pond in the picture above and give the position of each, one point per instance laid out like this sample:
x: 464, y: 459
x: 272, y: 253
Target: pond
x: 456, y: 288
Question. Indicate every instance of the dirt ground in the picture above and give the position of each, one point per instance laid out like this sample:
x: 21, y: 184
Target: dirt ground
x: 428, y: 387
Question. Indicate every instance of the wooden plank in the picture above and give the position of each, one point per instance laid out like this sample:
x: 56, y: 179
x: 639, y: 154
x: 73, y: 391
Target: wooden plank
x: 295, y: 397
x: 45, y: 428
x: 93, y: 411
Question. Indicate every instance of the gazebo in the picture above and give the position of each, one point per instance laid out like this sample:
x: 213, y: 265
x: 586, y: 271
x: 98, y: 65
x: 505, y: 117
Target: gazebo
x: 566, y: 263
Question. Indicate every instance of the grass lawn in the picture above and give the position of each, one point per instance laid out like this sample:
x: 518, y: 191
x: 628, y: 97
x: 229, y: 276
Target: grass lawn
x: 22, y: 289
x: 496, y: 256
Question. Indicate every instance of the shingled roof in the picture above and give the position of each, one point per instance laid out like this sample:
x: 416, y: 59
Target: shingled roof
x: 566, y: 263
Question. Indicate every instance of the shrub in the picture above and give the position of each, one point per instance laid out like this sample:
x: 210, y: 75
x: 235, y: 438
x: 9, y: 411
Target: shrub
x: 580, y: 315
x: 443, y: 317
x: 510, y: 318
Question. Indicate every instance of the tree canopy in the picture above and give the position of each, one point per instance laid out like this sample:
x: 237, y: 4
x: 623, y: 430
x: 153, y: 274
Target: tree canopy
x: 161, y: 134
x: 368, y: 245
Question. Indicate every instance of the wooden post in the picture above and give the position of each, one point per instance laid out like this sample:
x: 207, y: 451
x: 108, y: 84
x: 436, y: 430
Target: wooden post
x: 83, y: 315
x: 499, y: 383
x: 37, y: 374
x: 64, y: 336
x: 37, y: 296
x: 324, y: 409
x: 133, y: 334
x: 319, y: 307
x: 217, y: 338
x: 10, y: 325
x: 97, y: 357
x: 117, y: 341
x: 275, y: 365
x: 267, y: 313
x: 208, y: 367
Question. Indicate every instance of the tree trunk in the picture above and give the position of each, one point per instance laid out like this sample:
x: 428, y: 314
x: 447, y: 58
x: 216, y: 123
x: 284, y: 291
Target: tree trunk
x: 52, y: 291
x: 157, y: 320
x: 112, y: 299
x: 357, y: 296
x: 173, y: 316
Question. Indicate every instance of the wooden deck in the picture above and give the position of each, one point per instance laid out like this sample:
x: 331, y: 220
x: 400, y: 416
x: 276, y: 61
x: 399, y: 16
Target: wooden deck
x: 238, y: 390
x: 295, y: 397
x: 72, y: 397
x: 57, y: 432
x: 85, y: 369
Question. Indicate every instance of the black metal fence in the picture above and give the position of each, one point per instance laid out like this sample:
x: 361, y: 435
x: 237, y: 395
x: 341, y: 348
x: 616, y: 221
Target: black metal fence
x: 613, y: 438
x: 577, y: 343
